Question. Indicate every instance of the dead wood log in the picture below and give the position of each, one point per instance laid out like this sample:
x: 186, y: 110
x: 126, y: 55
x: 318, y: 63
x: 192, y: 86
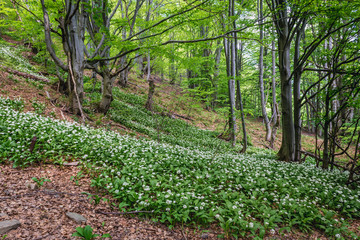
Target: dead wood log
x: 25, y: 75
x: 184, y: 117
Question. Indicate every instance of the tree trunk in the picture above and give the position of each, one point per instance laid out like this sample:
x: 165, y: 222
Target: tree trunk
x: 231, y: 82
x: 297, y: 101
x: 76, y: 36
x: 123, y: 76
x: 150, y: 80
x: 149, y: 102
x: 261, y: 75
x: 287, y: 149
x: 275, y: 109
x: 107, y: 96
x: 216, y: 75
x: 326, y: 132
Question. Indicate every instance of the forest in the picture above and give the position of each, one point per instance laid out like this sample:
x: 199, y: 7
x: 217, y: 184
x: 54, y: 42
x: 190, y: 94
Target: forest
x: 205, y: 119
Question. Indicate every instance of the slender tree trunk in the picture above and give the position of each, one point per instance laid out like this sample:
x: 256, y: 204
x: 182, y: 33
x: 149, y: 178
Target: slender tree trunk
x: 275, y: 110
x: 297, y: 102
x: 17, y: 12
x: 326, y: 132
x: 123, y: 76
x: 231, y: 82
x: 239, y: 50
x: 261, y: 74
x: 150, y: 80
x: 216, y: 75
x: 149, y: 102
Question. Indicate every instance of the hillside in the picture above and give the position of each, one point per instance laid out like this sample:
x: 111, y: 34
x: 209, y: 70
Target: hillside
x: 166, y: 166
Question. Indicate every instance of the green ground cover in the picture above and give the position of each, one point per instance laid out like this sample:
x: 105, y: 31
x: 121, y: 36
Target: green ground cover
x: 249, y: 194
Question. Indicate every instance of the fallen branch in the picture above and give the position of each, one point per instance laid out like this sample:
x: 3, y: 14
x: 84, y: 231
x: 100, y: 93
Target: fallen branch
x: 17, y: 196
x: 122, y: 213
x: 60, y: 193
x: 184, y: 117
x: 135, y: 84
x: 40, y: 191
x: 25, y: 75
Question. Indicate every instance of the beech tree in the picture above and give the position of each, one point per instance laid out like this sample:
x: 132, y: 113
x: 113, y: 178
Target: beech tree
x: 72, y: 23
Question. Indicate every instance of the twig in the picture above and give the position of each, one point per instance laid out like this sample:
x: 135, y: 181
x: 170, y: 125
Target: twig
x: 122, y: 213
x: 41, y: 191
x: 182, y: 232
x: 49, y: 98
x: 60, y: 193
x: 62, y: 115
x: 18, y: 196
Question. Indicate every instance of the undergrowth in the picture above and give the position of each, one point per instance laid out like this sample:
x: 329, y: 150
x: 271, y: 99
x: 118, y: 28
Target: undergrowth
x: 247, y: 195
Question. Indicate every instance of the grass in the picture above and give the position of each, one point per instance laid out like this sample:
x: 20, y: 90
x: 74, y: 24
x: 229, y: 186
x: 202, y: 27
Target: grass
x: 246, y: 195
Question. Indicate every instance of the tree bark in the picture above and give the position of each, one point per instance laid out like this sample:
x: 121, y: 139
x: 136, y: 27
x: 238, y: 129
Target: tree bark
x: 287, y: 149
x: 149, y: 102
x: 297, y: 102
x: 216, y: 75
x: 73, y: 30
x: 261, y: 74
x: 107, y: 96
x: 123, y: 76
x: 275, y: 109
x: 231, y: 82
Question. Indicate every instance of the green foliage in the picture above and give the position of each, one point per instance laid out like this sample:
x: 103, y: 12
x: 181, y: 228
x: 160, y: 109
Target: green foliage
x: 15, y: 104
x: 128, y: 110
x: 76, y: 178
x: 39, y: 107
x: 12, y: 57
x: 249, y: 194
x: 95, y: 198
x: 40, y: 181
x: 86, y: 233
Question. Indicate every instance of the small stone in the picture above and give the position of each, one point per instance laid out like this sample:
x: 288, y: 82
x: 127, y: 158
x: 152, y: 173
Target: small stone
x: 6, y: 226
x: 3, y: 215
x: 204, y: 236
x: 76, y: 217
x: 30, y: 185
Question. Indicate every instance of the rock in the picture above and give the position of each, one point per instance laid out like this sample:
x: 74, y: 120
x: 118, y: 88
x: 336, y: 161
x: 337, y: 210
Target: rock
x: 30, y: 185
x: 76, y: 217
x: 204, y: 236
x: 3, y: 215
x: 6, y: 226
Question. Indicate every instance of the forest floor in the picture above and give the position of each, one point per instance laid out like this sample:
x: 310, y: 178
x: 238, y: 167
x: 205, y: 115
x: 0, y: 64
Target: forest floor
x: 42, y: 209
